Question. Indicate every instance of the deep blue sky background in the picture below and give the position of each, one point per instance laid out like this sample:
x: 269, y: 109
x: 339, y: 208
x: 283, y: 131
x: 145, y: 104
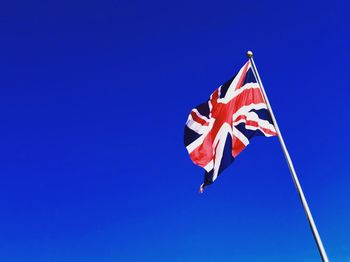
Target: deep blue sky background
x: 93, y: 99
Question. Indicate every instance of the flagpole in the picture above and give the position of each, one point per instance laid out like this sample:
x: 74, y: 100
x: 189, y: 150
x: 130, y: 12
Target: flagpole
x: 291, y: 167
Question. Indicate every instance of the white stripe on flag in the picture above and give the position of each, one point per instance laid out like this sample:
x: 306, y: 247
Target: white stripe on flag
x: 219, y: 144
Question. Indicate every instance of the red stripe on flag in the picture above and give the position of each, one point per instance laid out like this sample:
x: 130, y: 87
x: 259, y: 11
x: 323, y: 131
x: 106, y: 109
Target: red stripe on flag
x: 237, y: 146
x: 203, y: 154
x: 196, y: 118
x: 247, y: 97
x: 255, y: 124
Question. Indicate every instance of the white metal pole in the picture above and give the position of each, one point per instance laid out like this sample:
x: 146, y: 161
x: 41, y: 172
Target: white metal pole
x: 291, y: 167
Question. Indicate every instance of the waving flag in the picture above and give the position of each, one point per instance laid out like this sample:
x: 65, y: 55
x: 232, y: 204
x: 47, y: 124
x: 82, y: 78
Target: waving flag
x: 218, y: 130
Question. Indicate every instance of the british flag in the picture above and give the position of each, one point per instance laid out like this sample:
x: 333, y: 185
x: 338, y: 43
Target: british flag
x: 218, y: 130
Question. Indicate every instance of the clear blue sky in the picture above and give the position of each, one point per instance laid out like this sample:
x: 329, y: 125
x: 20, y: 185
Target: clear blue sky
x: 94, y: 96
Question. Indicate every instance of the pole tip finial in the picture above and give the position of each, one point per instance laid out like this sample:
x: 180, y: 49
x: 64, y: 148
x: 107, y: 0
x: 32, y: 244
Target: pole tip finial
x: 249, y: 54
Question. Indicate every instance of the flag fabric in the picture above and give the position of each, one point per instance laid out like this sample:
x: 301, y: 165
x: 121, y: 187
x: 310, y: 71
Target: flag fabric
x: 218, y: 130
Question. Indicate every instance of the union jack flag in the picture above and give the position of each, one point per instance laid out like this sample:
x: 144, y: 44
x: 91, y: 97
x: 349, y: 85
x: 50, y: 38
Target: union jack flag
x: 218, y: 130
